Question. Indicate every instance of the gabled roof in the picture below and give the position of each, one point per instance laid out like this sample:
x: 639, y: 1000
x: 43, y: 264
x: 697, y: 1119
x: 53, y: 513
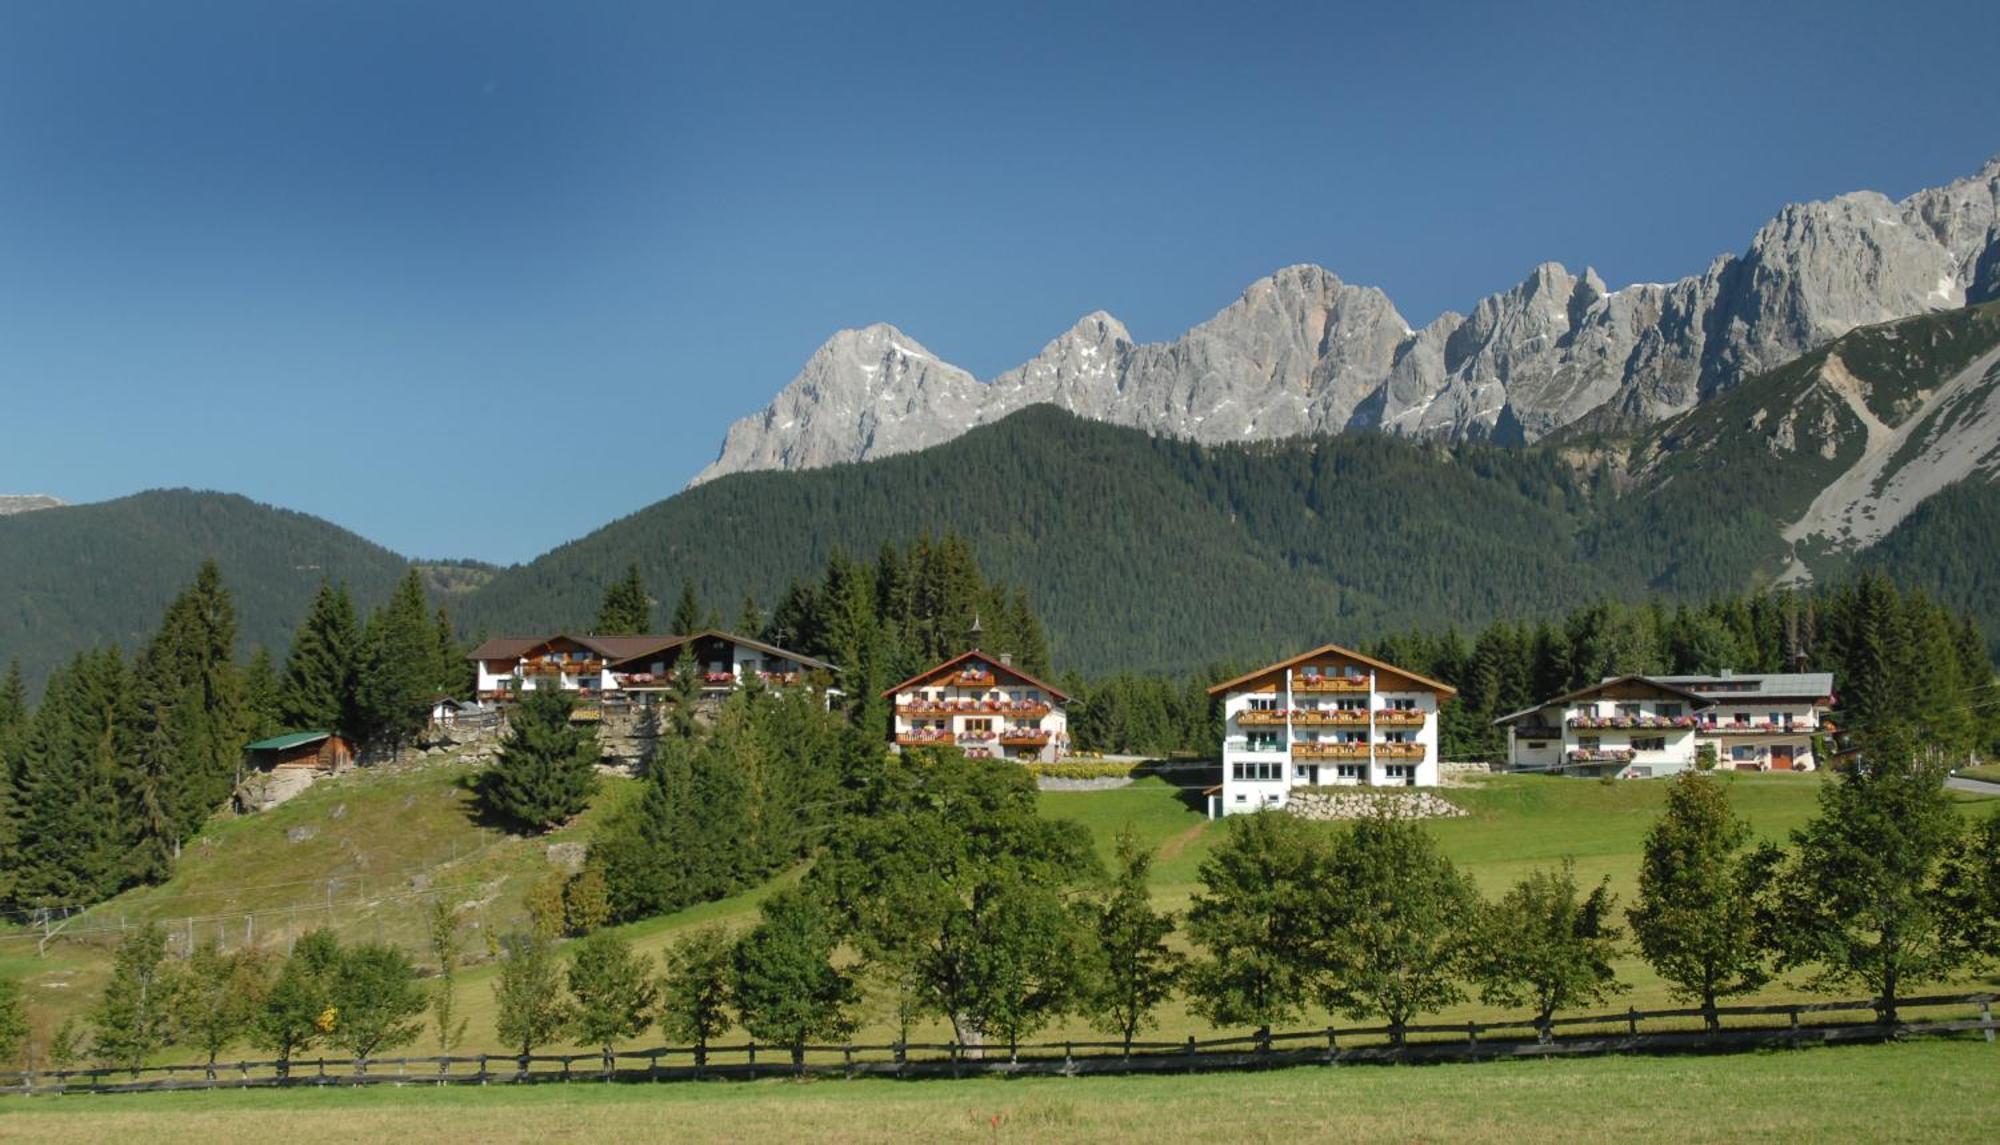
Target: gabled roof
x: 622, y: 648
x: 288, y: 740
x: 1770, y: 685
x: 990, y: 661
x: 1698, y: 701
x: 1336, y: 650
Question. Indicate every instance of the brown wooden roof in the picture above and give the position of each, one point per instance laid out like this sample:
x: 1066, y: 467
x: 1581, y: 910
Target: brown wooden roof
x: 618, y: 649
x: 992, y: 662
x: 1437, y: 686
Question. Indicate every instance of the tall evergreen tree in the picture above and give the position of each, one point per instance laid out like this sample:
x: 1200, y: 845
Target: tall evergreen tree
x: 398, y: 665
x: 75, y: 824
x: 261, y: 690
x: 547, y: 768
x: 627, y: 610
x: 318, y: 689
x: 687, y: 611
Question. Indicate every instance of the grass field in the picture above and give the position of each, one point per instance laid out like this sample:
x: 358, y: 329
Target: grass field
x: 392, y: 839
x: 1920, y: 1091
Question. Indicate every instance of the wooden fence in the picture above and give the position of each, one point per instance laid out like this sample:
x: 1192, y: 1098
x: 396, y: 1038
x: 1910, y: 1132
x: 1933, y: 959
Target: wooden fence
x: 1725, y: 1029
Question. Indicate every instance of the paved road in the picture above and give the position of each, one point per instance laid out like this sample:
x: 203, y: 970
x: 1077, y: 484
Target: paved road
x: 1976, y: 786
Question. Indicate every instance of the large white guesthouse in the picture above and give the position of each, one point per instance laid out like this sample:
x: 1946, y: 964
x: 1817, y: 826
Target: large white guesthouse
x: 1639, y: 727
x: 1328, y: 716
x: 632, y: 666
x: 983, y: 705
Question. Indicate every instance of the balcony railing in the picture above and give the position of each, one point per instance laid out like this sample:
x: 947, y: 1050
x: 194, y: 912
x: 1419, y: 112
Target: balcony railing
x: 1331, y: 718
x: 1601, y: 755
x: 1399, y: 751
x: 1026, y: 737
x: 780, y: 679
x: 1536, y: 731
x: 1330, y: 751
x: 979, y: 679
x: 1399, y: 717
x: 1035, y: 708
x: 1261, y: 718
x: 1664, y: 723
x: 1243, y: 744
x: 1759, y: 727
x: 1329, y: 683
x: 714, y: 679
x: 925, y: 736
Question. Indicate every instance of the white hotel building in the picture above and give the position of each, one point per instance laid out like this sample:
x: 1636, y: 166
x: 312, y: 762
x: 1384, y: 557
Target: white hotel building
x: 1326, y: 717
x: 1640, y: 727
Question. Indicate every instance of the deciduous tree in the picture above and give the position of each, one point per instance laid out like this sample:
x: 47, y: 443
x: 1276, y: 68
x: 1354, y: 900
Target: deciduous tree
x: 1257, y: 920
x: 788, y: 990
x: 699, y: 989
x: 1696, y: 918
x: 1136, y: 969
x: 533, y: 1009
x: 1401, y: 914
x: 1547, y: 945
x: 614, y: 991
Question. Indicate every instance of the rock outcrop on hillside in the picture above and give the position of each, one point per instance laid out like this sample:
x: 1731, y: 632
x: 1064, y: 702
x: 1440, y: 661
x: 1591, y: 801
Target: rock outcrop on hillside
x: 1304, y: 352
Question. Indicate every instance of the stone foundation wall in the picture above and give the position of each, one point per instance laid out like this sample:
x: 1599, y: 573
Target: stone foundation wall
x: 1325, y: 803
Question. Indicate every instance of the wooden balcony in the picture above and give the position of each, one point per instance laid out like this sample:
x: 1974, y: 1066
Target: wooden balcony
x: 1329, y: 751
x: 1026, y: 737
x: 1331, y: 718
x: 1661, y: 723
x: 1399, y: 751
x: 1252, y: 718
x: 1400, y: 717
x: 1759, y: 728
x: 929, y: 737
x: 1601, y: 755
x: 1035, y: 709
x: 980, y: 679
x: 1329, y: 683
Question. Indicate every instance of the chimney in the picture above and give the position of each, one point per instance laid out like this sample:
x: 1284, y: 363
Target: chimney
x: 1006, y: 659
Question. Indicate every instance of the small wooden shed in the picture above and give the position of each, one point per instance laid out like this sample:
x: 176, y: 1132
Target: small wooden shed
x: 321, y: 751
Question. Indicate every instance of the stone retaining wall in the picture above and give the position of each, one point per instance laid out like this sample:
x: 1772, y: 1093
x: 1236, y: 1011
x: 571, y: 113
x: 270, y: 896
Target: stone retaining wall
x: 1338, y: 803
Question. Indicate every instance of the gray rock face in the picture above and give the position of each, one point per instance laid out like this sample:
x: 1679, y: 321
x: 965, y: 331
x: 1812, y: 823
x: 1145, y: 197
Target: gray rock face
x: 1303, y: 352
x: 11, y: 503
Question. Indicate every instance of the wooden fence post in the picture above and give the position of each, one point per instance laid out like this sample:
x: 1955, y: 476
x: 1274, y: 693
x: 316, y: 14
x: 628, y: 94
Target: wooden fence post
x: 482, y: 1069
x: 1263, y: 1039
x: 1632, y: 1020
x: 1190, y: 1054
x: 847, y: 1059
x: 1986, y: 1018
x: 902, y: 1056
x: 1332, y: 1047
x: 1472, y: 1037
x: 1795, y: 1027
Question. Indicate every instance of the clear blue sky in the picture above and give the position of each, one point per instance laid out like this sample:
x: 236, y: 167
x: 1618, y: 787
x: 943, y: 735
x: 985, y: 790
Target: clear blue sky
x: 472, y: 279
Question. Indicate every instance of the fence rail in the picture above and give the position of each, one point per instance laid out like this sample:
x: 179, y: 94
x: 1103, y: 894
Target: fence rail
x: 1687, y: 1030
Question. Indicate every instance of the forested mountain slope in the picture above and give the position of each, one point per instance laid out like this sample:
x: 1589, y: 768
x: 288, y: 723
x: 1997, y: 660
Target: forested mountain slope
x: 80, y: 575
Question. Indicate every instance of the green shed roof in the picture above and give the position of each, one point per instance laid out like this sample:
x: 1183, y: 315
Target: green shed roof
x: 289, y: 739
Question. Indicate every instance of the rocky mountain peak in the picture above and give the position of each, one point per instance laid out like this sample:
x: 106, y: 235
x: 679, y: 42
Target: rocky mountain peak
x: 1301, y: 351
x: 11, y: 503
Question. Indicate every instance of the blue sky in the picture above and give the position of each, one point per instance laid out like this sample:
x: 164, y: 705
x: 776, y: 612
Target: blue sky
x: 473, y: 279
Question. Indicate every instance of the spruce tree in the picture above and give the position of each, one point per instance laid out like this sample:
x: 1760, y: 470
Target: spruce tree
x: 398, y: 665
x: 76, y: 830
x: 547, y: 768
x: 14, y: 1026
x: 627, y: 610
x: 750, y: 618
x: 687, y: 611
x: 261, y: 690
x: 451, y: 675
x: 317, y: 692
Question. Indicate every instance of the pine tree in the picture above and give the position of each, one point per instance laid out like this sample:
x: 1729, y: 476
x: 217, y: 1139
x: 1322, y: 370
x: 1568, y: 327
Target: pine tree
x: 687, y: 611
x: 627, y: 610
x: 14, y: 1026
x: 317, y: 692
x: 398, y: 665
x: 260, y: 696
x: 547, y: 768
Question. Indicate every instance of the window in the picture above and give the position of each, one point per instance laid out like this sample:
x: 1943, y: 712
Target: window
x: 1743, y: 754
x: 1263, y: 703
x: 1777, y: 718
x: 1301, y: 771
x: 1398, y: 737
x: 1649, y: 743
x: 1258, y: 771
x: 1670, y: 710
x: 1628, y: 710
x: 1351, y: 705
x: 1242, y: 799
x: 1262, y: 741
x: 1587, y: 743
x: 1537, y: 744
x: 1347, y: 771
x: 1401, y: 773
x: 1403, y: 705
x: 1742, y: 717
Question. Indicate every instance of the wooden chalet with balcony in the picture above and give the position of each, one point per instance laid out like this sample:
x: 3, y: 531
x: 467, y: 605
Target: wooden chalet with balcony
x: 983, y: 705
x: 1325, y: 717
x: 633, y: 667
x: 1631, y: 727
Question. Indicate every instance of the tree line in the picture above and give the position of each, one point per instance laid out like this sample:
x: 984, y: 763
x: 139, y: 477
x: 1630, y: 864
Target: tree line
x: 125, y: 758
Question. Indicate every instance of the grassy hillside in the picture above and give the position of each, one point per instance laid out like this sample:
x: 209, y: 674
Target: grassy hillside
x: 82, y: 575
x: 1922, y: 1091
x: 387, y: 841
